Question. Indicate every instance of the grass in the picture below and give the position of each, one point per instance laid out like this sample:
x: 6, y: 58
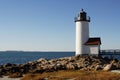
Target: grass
x: 15, y: 75
x: 75, y: 75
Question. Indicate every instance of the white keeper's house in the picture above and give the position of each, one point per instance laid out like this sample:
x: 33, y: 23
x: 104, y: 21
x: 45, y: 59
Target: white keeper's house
x: 85, y: 44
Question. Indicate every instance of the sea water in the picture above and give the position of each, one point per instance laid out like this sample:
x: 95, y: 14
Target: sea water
x: 19, y: 57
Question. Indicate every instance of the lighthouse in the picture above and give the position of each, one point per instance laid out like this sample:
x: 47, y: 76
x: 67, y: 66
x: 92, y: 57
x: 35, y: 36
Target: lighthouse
x: 84, y: 44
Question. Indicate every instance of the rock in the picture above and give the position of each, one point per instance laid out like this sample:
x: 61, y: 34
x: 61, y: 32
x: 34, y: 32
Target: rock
x: 71, y: 66
x: 1, y: 76
x: 15, y: 75
x: 79, y: 65
x: 41, y: 65
x: 116, y: 65
x: 42, y: 61
x: 77, y: 57
x: 8, y: 64
x: 98, y: 67
x: 107, y: 67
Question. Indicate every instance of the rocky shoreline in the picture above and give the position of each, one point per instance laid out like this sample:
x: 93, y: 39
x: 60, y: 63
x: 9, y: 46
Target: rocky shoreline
x: 86, y: 63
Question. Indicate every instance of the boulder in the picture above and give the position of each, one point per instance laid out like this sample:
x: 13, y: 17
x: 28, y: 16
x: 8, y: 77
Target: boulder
x: 98, y: 67
x: 71, y: 66
x: 68, y: 63
x: 107, y: 67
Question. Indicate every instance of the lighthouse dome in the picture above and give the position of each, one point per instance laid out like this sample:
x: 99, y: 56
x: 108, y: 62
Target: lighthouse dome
x: 82, y: 16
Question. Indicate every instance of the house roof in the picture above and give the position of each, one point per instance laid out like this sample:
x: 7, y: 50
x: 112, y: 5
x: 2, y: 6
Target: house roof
x: 93, y: 41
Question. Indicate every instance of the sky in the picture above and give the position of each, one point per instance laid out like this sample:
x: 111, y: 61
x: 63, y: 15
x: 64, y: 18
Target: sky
x: 48, y: 25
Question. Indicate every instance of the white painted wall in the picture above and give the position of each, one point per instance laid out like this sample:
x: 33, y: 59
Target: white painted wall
x: 82, y: 35
x: 94, y: 49
x: 87, y: 49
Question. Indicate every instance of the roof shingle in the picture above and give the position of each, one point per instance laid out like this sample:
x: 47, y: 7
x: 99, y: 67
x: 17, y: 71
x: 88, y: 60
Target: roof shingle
x: 93, y: 41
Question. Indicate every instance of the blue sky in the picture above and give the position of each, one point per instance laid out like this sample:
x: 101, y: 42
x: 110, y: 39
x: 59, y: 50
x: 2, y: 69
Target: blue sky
x: 48, y: 25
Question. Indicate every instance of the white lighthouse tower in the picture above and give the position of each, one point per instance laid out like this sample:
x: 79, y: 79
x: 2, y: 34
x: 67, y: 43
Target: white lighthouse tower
x: 82, y: 32
x: 85, y: 44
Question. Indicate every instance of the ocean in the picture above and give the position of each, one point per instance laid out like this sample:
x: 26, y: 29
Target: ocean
x: 20, y: 57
